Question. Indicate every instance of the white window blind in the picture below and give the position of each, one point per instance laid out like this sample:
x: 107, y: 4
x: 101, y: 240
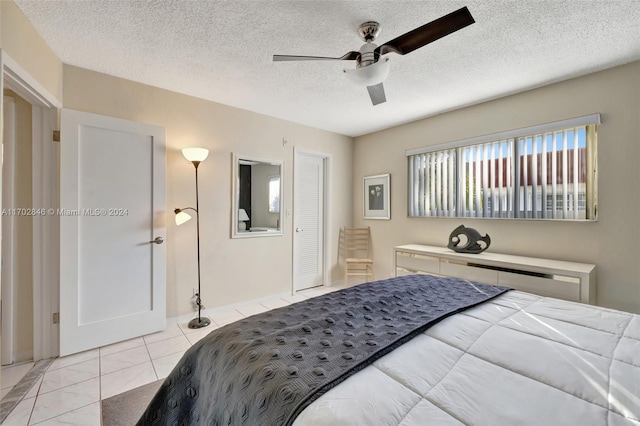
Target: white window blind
x: 434, y: 185
x: 541, y: 172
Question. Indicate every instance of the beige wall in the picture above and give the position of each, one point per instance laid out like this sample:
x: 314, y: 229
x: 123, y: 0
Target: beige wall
x: 23, y: 225
x: 232, y: 269
x: 22, y: 42
x: 23, y: 309
x: 612, y: 243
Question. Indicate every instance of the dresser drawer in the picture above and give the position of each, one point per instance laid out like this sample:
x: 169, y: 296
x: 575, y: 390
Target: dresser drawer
x: 472, y: 273
x: 568, y: 289
x: 418, y: 263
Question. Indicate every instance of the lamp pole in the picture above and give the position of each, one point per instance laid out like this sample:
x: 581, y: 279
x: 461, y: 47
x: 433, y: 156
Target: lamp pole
x: 198, y: 322
x: 195, y: 157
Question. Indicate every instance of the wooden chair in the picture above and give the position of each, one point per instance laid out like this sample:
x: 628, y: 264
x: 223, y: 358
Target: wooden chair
x: 355, y: 252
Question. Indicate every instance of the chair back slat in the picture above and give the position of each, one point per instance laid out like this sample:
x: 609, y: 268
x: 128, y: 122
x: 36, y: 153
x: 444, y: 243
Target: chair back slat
x: 355, y: 242
x: 354, y: 252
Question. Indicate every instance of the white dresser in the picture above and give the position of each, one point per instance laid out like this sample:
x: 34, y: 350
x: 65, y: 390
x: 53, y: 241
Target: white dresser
x: 545, y: 277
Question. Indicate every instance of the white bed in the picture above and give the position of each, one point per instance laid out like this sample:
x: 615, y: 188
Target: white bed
x: 517, y: 359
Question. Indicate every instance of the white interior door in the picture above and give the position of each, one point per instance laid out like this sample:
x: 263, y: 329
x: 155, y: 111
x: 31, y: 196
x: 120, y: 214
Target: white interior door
x: 112, y: 208
x: 308, y: 221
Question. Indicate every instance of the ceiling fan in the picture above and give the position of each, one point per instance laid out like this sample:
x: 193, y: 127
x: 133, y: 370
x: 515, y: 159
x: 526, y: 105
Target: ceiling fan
x: 371, y: 68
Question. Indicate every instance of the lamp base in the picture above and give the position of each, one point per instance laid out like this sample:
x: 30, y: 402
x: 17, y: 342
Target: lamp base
x: 199, y: 322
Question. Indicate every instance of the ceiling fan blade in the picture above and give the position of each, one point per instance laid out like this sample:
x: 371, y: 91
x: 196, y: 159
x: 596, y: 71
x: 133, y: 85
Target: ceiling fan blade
x: 376, y: 93
x: 428, y: 33
x: 350, y: 56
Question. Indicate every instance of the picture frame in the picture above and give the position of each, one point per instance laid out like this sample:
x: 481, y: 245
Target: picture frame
x: 376, y: 197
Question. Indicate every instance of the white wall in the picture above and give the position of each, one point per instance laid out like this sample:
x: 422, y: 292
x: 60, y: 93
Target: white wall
x: 612, y: 243
x: 232, y: 269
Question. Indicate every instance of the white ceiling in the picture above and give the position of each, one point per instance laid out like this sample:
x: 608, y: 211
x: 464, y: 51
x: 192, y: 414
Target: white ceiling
x: 222, y: 50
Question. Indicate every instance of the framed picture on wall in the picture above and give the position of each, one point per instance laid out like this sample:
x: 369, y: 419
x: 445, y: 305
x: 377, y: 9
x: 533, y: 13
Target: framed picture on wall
x: 376, y: 197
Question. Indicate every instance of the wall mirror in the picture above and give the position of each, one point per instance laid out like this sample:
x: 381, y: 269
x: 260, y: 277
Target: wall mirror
x: 257, y: 197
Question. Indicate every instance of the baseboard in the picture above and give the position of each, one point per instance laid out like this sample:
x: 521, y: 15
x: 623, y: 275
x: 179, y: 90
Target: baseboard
x: 23, y: 356
x: 212, y: 311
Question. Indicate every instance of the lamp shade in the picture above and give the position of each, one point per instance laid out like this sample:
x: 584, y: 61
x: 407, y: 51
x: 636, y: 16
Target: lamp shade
x: 195, y: 154
x: 182, y: 217
x: 242, y: 215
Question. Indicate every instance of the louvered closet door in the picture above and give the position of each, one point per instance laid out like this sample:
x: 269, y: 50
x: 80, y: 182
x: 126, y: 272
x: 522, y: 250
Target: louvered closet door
x: 308, y: 244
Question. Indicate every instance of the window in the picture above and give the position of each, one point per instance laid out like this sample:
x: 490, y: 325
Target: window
x: 274, y: 194
x: 541, y: 172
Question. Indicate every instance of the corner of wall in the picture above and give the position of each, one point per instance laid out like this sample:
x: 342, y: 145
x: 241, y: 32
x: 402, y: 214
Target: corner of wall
x: 20, y: 39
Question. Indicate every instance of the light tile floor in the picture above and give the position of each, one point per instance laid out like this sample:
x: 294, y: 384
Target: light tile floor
x: 12, y: 374
x: 73, y: 386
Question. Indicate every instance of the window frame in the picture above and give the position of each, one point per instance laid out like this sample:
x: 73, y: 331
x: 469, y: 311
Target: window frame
x: 588, y: 122
x: 277, y: 179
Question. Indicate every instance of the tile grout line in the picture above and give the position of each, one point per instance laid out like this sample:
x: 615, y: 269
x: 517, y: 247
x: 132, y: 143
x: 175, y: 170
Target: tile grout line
x: 123, y: 350
x: 66, y: 412
x: 33, y: 407
x: 19, y: 390
x: 38, y: 394
x: 35, y: 398
x: 56, y: 390
x: 151, y: 359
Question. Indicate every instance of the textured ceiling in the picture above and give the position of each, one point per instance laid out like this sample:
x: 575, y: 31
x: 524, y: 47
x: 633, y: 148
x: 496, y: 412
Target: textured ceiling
x: 222, y: 50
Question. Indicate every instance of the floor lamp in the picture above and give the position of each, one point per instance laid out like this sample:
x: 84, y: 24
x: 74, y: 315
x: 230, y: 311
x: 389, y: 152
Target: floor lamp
x: 196, y: 156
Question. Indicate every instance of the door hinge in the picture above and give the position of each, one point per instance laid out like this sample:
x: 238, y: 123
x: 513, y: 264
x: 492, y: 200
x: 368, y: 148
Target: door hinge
x: 56, y: 317
x: 56, y: 135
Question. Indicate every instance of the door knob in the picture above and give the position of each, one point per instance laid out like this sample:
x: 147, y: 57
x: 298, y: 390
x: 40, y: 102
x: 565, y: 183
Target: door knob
x: 157, y: 240
x: 299, y: 229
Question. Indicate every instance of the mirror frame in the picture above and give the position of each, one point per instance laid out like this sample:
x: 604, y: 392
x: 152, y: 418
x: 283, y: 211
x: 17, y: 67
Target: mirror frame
x: 235, y: 196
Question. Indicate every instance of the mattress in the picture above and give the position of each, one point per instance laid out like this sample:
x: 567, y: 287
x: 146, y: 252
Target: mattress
x: 518, y: 359
x: 265, y: 369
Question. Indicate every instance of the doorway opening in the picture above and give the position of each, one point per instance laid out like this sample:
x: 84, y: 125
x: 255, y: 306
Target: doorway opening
x: 17, y: 232
x: 30, y: 232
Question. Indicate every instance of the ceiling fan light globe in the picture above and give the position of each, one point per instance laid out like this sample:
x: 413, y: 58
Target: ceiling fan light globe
x: 370, y: 75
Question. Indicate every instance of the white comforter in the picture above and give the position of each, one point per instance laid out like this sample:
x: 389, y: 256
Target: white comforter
x: 518, y: 359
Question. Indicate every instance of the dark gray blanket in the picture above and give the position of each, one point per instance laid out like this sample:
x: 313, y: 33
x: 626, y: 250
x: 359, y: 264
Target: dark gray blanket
x: 265, y: 369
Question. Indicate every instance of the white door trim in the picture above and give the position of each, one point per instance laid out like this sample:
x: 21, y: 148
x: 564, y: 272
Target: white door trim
x: 46, y: 231
x: 20, y: 81
x: 326, y: 214
x: 45, y: 195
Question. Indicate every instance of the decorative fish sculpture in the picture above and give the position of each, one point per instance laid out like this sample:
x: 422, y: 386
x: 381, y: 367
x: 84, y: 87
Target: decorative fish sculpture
x: 475, y: 242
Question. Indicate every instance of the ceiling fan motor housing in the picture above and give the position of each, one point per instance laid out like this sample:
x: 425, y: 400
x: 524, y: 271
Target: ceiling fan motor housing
x: 368, y: 55
x: 368, y: 31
